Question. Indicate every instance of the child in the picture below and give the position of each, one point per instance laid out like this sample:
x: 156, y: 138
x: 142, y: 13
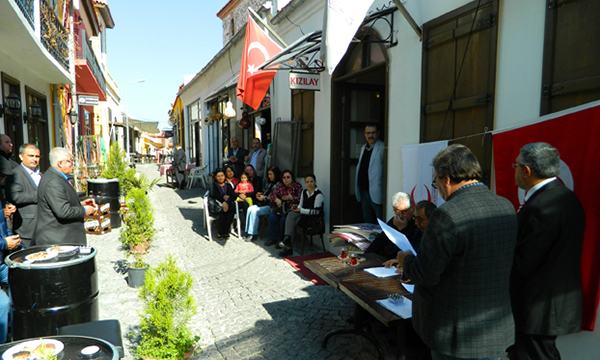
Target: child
x: 244, y: 187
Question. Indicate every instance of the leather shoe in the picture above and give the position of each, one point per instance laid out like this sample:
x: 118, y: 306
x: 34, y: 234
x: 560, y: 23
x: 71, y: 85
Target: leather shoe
x: 250, y: 238
x: 271, y: 242
x: 286, y: 252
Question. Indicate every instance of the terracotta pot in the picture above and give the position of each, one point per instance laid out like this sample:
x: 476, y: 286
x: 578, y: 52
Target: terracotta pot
x: 141, y: 248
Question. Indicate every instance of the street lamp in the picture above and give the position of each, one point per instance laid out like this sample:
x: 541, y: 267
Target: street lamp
x: 127, y: 115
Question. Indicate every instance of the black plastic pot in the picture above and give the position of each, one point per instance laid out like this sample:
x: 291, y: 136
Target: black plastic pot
x: 136, y: 277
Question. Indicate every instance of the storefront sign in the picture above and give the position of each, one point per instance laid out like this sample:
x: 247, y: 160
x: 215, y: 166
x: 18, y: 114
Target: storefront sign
x: 87, y: 100
x: 300, y: 81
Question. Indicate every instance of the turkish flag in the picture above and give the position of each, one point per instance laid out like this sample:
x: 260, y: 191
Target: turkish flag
x: 258, y: 48
x: 576, y: 137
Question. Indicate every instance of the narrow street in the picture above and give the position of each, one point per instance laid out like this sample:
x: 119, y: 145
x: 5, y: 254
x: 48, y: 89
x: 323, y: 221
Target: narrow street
x: 251, y: 304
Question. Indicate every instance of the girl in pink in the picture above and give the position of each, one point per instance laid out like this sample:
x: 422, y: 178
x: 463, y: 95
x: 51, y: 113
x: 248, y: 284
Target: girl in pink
x: 244, y: 187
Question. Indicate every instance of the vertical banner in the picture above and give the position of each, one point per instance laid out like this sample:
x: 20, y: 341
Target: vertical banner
x: 342, y: 19
x: 258, y: 48
x: 576, y: 138
x: 418, y: 172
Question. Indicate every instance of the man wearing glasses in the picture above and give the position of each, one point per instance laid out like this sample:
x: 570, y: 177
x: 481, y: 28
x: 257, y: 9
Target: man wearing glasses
x: 369, y: 176
x: 461, y: 306
x: 402, y: 221
x: 60, y: 213
x: 545, y: 281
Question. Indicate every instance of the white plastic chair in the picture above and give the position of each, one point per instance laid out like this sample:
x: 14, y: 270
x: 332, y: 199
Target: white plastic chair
x: 208, y: 218
x: 196, y: 173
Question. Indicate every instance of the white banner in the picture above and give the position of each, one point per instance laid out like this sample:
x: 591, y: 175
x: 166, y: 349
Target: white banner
x: 342, y: 17
x: 418, y: 172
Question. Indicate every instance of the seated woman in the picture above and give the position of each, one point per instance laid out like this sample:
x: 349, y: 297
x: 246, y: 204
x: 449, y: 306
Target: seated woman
x: 230, y: 177
x: 311, y: 203
x: 243, y: 189
x: 223, y: 192
x: 261, y: 205
x: 284, y: 198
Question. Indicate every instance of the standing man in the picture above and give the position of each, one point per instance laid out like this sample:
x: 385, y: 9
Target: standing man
x: 256, y: 157
x: 545, y: 280
x: 7, y: 165
x: 23, y: 192
x: 179, y: 164
x: 461, y: 306
x: 60, y: 213
x: 369, y: 176
x: 236, y: 156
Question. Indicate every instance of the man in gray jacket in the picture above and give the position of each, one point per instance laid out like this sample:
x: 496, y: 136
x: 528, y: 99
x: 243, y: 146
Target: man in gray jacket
x: 461, y: 305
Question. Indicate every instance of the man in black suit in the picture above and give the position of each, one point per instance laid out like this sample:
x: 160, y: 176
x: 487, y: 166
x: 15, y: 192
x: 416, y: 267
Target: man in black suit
x: 179, y: 164
x: 545, y: 280
x: 236, y: 156
x: 7, y: 165
x: 23, y: 192
x: 461, y: 306
x: 60, y: 213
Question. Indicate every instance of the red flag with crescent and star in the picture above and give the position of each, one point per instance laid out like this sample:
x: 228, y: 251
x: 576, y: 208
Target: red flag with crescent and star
x: 253, y: 83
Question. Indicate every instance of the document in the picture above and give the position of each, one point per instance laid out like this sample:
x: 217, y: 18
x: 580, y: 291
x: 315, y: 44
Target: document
x: 382, y: 272
x: 402, y: 309
x: 396, y: 237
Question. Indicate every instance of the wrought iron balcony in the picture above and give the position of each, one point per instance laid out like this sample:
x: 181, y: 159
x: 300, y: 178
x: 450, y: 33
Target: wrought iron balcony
x: 26, y: 7
x: 84, y: 52
x: 53, y: 35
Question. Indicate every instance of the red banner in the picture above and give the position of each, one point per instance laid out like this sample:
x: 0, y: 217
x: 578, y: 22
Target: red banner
x: 576, y: 138
x: 258, y: 48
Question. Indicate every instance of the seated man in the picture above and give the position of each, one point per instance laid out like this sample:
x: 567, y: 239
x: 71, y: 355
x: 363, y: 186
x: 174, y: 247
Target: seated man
x: 423, y: 211
x: 402, y: 221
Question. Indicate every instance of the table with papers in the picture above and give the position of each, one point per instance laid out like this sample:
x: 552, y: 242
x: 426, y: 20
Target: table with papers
x: 368, y: 291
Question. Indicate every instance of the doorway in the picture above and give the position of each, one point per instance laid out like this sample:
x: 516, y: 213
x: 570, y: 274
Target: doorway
x: 359, y: 97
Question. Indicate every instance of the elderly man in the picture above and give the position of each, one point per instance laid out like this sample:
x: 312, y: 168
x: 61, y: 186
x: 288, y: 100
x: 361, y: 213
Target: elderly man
x: 369, y: 176
x: 461, y: 306
x: 22, y: 192
x: 60, y: 213
x: 236, y: 156
x: 402, y: 221
x: 256, y: 158
x: 179, y: 165
x: 545, y: 280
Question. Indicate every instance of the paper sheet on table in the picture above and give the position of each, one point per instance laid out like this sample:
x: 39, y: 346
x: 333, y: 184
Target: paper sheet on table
x: 403, y: 309
x: 382, y: 272
x: 409, y: 287
x: 396, y: 237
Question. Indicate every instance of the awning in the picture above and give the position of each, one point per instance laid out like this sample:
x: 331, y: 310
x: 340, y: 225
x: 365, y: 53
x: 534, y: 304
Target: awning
x: 300, y: 55
x: 155, y: 144
x: 145, y: 126
x: 231, y: 82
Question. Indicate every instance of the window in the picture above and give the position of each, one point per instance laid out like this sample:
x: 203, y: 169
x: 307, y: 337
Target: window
x: 458, y: 80
x: 571, y: 70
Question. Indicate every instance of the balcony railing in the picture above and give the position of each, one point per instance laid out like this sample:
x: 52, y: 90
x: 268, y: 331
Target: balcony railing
x: 53, y: 35
x: 26, y: 7
x: 84, y: 51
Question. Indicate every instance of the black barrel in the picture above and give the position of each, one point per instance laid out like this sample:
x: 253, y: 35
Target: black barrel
x: 109, y: 189
x: 48, y: 295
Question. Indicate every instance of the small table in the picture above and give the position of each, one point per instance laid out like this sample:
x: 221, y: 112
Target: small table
x: 365, y: 290
x: 73, y: 346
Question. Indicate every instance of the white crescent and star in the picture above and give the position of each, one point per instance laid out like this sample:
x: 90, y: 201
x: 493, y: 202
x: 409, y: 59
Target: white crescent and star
x: 260, y: 47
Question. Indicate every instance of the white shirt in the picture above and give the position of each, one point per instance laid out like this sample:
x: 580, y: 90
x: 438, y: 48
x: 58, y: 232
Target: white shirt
x: 35, y: 175
x: 538, y: 186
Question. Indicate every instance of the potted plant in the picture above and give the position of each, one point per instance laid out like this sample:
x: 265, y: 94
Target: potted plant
x: 139, y: 222
x: 136, y: 273
x: 168, y: 308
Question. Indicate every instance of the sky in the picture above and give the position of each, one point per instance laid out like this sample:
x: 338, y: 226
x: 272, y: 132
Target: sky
x: 161, y: 42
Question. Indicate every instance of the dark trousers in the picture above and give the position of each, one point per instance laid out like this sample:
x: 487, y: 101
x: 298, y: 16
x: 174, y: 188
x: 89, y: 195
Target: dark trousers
x: 534, y: 347
x: 224, y: 221
x: 371, y: 211
x: 180, y: 176
x: 276, y: 227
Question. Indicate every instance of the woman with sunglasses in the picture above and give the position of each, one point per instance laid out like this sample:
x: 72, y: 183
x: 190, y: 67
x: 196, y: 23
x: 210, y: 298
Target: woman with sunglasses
x: 285, y: 198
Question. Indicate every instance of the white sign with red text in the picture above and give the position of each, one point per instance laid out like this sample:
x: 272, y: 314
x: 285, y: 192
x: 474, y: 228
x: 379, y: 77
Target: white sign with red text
x: 300, y: 81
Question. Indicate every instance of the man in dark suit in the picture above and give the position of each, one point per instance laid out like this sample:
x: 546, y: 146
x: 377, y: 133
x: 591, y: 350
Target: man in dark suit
x: 60, y: 213
x: 461, y: 306
x: 22, y: 192
x: 256, y: 157
x: 179, y: 165
x: 545, y: 280
x: 236, y: 156
x: 7, y: 165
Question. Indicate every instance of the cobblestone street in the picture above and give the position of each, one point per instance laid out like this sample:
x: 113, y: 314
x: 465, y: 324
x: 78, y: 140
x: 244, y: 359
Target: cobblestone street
x: 251, y: 304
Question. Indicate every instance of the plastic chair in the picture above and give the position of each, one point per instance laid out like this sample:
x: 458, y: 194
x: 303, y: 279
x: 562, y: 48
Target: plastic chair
x: 107, y: 330
x: 197, y: 173
x: 208, y: 219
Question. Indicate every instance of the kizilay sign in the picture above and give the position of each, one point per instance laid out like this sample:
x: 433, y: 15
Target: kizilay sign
x: 87, y: 100
x: 303, y: 81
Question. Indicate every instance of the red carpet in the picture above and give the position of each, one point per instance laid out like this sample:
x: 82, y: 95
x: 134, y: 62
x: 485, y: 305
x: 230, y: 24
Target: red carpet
x: 297, y: 263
